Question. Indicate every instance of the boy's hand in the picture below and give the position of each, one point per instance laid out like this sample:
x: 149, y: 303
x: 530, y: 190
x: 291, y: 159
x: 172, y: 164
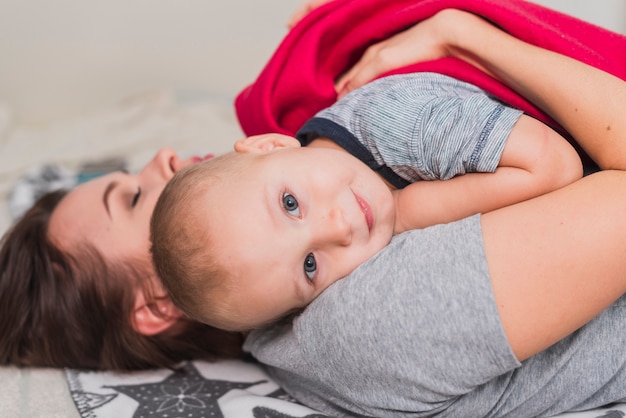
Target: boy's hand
x: 304, y: 10
x: 426, y: 41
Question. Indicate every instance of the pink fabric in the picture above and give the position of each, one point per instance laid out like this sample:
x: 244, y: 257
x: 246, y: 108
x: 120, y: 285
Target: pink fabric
x: 298, y: 80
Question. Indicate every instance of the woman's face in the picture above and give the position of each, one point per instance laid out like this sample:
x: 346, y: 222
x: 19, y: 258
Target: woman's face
x: 112, y: 212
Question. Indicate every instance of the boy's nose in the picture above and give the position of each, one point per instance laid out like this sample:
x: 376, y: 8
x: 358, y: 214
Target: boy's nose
x: 333, y: 229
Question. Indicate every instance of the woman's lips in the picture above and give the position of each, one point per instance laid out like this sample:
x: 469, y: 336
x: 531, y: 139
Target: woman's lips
x: 196, y: 159
x: 367, y: 211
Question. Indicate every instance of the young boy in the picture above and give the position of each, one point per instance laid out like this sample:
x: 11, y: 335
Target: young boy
x: 249, y: 237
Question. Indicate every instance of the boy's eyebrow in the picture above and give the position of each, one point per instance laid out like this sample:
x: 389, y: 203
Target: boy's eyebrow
x: 105, y: 196
x: 269, y: 208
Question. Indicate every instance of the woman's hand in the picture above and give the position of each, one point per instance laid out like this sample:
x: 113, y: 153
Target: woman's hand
x: 304, y: 10
x: 425, y: 41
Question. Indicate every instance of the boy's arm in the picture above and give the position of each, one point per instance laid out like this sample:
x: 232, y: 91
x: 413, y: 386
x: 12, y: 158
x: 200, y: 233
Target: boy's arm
x: 535, y: 160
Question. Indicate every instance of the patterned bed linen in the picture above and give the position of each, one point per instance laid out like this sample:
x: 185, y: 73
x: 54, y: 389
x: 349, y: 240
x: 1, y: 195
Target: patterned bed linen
x: 228, y: 389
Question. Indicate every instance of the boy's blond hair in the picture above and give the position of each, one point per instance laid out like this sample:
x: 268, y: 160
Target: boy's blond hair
x: 184, y: 248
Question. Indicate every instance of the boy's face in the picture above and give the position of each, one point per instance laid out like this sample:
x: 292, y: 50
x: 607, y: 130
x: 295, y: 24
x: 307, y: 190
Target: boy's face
x: 297, y: 220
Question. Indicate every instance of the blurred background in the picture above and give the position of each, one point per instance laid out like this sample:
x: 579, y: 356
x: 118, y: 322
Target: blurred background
x: 64, y: 57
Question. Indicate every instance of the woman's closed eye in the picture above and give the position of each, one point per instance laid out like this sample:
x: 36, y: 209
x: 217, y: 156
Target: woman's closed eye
x: 136, y: 196
x: 290, y: 204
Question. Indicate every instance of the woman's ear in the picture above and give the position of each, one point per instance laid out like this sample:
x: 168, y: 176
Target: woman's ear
x: 153, y: 318
x: 262, y: 144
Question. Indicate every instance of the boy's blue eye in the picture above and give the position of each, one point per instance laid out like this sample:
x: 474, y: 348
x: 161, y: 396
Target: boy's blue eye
x: 310, y: 266
x: 291, y: 204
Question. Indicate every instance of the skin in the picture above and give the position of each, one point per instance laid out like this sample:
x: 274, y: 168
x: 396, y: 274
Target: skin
x: 112, y: 212
x: 119, y: 228
x: 324, y: 237
x: 566, y: 262
x: 308, y: 215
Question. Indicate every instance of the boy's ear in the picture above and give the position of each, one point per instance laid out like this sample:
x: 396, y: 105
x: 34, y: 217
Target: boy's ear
x: 156, y: 317
x: 262, y: 144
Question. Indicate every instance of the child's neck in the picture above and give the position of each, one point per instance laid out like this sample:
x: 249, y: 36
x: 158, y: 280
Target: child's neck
x: 322, y: 142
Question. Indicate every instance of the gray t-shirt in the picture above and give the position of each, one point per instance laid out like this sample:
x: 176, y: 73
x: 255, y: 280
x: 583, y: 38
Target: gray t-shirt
x: 418, y: 126
x: 415, y: 332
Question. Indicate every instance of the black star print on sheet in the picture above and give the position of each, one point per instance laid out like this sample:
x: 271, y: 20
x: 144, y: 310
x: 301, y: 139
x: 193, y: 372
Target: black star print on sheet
x: 183, y: 392
x: 87, y: 401
x: 612, y: 414
x: 262, y: 412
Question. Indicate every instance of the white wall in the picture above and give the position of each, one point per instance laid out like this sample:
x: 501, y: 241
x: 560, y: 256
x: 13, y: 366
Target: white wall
x: 608, y: 13
x: 64, y: 57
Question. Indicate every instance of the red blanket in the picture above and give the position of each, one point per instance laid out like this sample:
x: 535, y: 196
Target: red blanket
x: 298, y: 80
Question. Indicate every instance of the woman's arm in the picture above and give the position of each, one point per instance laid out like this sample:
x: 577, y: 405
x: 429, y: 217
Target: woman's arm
x: 589, y: 103
x: 557, y: 260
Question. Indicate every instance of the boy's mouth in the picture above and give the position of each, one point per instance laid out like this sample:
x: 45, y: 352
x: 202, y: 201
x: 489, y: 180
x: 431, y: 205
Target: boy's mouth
x: 367, y: 211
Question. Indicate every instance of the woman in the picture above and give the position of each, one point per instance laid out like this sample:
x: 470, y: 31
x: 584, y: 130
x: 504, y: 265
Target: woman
x: 78, y: 288
x: 418, y: 339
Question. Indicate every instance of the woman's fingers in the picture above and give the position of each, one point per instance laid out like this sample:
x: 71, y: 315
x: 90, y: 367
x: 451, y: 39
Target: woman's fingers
x: 361, y: 73
x: 421, y: 42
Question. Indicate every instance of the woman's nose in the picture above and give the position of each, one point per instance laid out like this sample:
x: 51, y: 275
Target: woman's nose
x: 333, y: 229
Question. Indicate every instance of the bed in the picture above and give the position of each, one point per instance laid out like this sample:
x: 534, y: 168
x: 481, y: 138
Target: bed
x: 132, y: 130
x: 222, y: 389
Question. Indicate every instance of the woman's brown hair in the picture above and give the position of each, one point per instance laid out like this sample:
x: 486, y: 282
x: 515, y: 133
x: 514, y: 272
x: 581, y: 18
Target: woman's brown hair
x: 74, y: 310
